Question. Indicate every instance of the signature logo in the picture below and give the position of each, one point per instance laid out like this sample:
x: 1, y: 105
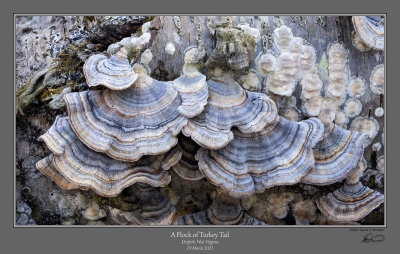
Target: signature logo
x: 372, y: 238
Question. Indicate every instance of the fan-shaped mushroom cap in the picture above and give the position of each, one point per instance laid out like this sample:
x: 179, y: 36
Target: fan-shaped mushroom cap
x: 371, y: 30
x: 349, y: 203
x: 280, y: 154
x: 59, y: 135
x: 106, y: 176
x: 89, y: 169
x: 153, y: 208
x: 115, y: 72
x: 141, y: 120
x: 336, y: 155
x: 377, y: 80
x: 229, y: 105
x: 45, y: 166
x: 194, y: 93
x: 187, y: 167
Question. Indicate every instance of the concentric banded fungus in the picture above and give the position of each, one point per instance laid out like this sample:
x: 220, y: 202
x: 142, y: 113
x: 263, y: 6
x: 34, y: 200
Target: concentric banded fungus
x: 89, y: 169
x: 371, y: 30
x: 153, y: 208
x: 192, y: 85
x: 377, y: 82
x: 234, y: 48
x: 352, y: 201
x: 281, y: 154
x: 46, y: 167
x: 141, y: 120
x: 336, y: 155
x: 108, y: 177
x: 115, y: 72
x: 59, y: 135
x: 223, y: 211
x: 187, y: 167
x: 229, y: 105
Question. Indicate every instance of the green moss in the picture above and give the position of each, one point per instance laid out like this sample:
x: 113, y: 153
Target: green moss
x: 32, y: 88
x: 323, y: 67
x: 312, y: 31
x: 371, y: 181
x: 68, y: 62
x: 89, y: 18
x: 46, y: 94
x: 149, y: 18
x: 232, y: 42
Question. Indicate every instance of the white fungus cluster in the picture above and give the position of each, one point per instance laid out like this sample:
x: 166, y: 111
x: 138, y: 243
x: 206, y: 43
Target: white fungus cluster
x: 295, y: 59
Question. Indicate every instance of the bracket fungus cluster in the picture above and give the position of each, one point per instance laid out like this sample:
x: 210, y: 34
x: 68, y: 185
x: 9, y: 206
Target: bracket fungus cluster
x: 371, y: 30
x: 220, y: 127
x: 352, y: 201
